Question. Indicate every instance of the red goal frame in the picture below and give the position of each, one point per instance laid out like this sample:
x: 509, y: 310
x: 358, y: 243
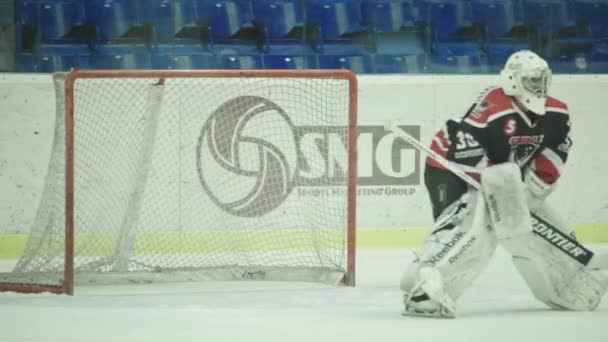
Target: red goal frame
x: 67, y: 286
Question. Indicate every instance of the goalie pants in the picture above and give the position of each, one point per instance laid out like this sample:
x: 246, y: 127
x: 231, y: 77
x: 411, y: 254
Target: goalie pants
x: 444, y: 188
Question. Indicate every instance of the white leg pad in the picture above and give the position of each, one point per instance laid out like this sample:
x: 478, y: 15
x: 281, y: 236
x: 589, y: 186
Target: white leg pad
x: 434, y: 287
x: 458, y: 255
x: 505, y: 195
x: 561, y: 286
x: 554, y: 278
x: 437, y: 303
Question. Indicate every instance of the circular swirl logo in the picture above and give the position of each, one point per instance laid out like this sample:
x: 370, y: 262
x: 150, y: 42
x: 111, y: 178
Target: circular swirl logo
x: 247, y: 156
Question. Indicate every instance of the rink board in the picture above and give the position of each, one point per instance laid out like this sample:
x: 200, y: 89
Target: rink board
x: 11, y: 245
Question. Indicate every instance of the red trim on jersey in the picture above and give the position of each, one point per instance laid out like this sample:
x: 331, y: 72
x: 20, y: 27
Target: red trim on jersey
x: 493, y: 102
x: 553, y: 102
x: 475, y: 175
x: 545, y: 169
x: 444, y: 141
x: 437, y: 149
x: 432, y: 162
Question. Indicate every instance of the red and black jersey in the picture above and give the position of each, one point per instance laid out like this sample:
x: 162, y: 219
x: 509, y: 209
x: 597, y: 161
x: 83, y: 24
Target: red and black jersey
x: 496, y: 130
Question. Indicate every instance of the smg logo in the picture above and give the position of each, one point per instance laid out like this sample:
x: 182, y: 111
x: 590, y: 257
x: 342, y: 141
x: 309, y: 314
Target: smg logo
x: 382, y: 157
x: 250, y: 156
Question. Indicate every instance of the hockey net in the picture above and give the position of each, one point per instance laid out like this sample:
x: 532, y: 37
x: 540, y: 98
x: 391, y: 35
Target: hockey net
x: 170, y: 176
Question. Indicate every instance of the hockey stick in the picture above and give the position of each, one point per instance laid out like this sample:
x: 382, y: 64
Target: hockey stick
x: 541, y: 228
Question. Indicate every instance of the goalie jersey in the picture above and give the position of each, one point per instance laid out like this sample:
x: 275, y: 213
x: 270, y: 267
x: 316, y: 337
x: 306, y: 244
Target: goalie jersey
x: 496, y: 130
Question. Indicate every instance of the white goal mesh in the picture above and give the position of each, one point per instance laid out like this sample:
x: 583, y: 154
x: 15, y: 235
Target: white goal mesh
x: 197, y: 176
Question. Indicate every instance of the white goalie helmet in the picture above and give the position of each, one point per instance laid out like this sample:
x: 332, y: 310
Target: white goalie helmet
x: 526, y: 77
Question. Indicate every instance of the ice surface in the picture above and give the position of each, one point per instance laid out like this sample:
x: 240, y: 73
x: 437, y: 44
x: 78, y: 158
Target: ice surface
x: 498, y: 308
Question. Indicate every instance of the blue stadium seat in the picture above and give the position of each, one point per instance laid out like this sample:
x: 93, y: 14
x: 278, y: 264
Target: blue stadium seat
x: 114, y: 56
x: 400, y: 43
x: 186, y: 14
x: 203, y: 10
x: 7, y: 12
x: 235, y: 47
x: 27, y: 15
x: 7, y: 48
x: 400, y: 52
x: 497, y: 52
x: 51, y: 21
x: 449, y: 19
x: 158, y: 14
x: 344, y: 47
x: 239, y: 62
x: 570, y: 63
x: 181, y: 57
x: 498, y: 17
x: 407, y: 64
x: 594, y: 15
x: 389, y: 15
x: 59, y: 17
x: 288, y: 47
x: 361, y: 64
x: 230, y: 16
x: 53, y: 58
x: 279, y: 17
x: 569, y: 55
x: 548, y: 16
x: 599, y: 58
x: 28, y: 12
x: 335, y: 17
x: 113, y: 18
x: 191, y: 18
x: 232, y: 30
x: 457, y: 57
x: 289, y: 62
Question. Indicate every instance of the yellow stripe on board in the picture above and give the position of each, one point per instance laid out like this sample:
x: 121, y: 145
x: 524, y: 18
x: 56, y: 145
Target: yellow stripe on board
x: 11, y: 246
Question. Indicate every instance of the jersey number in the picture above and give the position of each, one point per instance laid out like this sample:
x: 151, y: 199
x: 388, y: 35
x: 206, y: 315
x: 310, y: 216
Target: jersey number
x: 465, y: 140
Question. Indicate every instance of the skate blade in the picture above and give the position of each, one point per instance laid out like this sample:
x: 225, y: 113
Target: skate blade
x: 439, y: 313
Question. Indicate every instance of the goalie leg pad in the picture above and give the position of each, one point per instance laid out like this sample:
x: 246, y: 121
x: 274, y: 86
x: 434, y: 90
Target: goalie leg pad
x: 505, y: 195
x: 434, y: 300
x: 554, y: 277
x: 458, y: 254
x: 561, y: 285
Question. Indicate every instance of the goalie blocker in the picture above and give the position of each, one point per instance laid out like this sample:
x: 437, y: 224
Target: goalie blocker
x: 552, y: 264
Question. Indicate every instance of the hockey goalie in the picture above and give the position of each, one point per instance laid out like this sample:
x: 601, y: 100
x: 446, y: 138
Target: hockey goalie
x: 512, y: 143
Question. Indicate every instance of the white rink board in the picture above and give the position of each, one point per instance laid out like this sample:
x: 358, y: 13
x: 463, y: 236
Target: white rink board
x: 27, y: 118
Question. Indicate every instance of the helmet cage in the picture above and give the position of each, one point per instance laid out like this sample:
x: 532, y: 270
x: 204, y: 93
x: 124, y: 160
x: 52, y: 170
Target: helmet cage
x: 537, y: 84
x: 526, y: 77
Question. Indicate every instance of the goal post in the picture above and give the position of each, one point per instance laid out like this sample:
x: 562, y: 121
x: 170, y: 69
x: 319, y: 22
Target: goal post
x: 174, y: 176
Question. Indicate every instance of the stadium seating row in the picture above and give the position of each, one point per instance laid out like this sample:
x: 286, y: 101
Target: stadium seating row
x: 170, y: 19
x: 62, y: 57
x: 65, y: 57
x: 365, y: 35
